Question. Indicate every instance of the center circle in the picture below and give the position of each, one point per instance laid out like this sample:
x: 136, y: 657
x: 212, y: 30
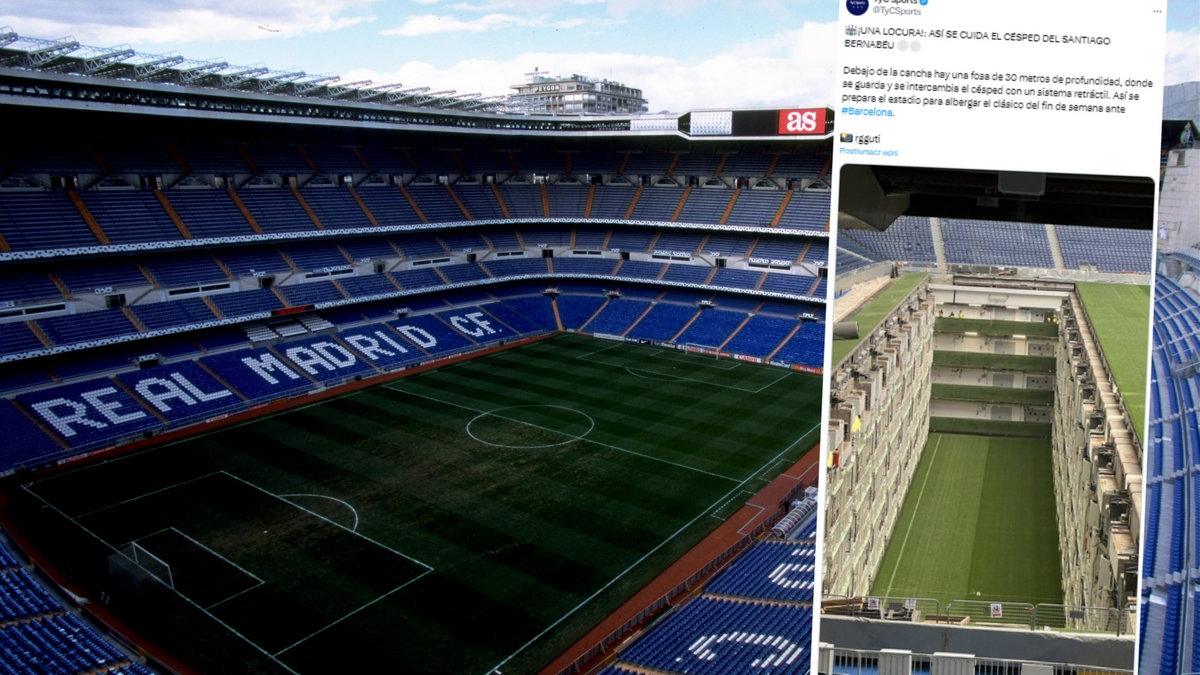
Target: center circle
x: 516, y: 431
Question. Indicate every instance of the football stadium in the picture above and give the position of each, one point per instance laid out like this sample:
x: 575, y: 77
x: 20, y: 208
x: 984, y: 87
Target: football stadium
x: 299, y: 374
x: 1170, y: 606
x: 983, y: 482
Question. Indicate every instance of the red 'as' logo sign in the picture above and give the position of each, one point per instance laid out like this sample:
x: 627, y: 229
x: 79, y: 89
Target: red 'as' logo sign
x: 811, y: 121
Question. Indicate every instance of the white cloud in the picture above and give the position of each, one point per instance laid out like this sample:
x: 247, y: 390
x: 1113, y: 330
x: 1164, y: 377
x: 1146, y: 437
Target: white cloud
x: 1183, y: 56
x: 429, y: 24
x: 178, y: 22
x: 791, y: 68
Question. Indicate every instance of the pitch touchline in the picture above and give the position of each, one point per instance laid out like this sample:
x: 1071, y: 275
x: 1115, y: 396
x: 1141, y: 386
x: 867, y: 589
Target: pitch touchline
x: 913, y: 519
x: 584, y: 357
x: 586, y: 440
x: 651, y: 552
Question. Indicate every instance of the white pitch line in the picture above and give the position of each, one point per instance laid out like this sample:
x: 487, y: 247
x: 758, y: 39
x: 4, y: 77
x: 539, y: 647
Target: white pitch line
x: 353, y: 528
x: 913, y: 519
x: 241, y: 569
x: 247, y: 590
x: 331, y: 522
x: 191, y: 602
x: 350, y: 614
x: 704, y: 512
x: 715, y: 385
x: 585, y: 440
x: 143, y: 496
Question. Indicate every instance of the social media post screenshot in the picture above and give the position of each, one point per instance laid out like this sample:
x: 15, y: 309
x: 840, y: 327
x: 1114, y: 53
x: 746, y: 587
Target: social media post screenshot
x: 1013, y: 85
x: 983, y: 478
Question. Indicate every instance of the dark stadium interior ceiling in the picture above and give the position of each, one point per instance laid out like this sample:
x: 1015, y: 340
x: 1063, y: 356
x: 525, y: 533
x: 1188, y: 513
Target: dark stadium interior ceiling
x: 871, y: 197
x: 89, y: 125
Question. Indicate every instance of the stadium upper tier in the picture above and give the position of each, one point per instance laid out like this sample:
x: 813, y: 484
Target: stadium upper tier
x: 154, y: 228
x: 54, y: 222
x: 983, y: 242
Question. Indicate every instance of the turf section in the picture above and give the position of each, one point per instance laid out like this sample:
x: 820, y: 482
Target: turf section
x: 1120, y: 315
x: 1045, y: 364
x: 965, y: 392
x: 445, y: 522
x: 946, y: 324
x: 979, y: 517
x: 963, y: 425
x: 873, y: 311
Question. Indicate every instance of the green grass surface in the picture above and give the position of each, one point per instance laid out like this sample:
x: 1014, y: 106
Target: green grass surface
x: 965, y: 392
x: 945, y: 324
x: 978, y: 523
x: 448, y: 521
x: 873, y: 311
x: 1120, y: 315
x: 959, y: 425
x: 1041, y: 364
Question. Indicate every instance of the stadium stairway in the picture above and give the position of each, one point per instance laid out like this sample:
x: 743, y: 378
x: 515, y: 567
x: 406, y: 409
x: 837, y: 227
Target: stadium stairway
x: 1055, y: 247
x: 939, y: 246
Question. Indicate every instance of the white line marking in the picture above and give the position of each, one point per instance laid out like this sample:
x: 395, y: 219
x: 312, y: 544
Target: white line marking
x: 913, y: 519
x: 667, y: 353
x: 331, y: 522
x: 219, y: 602
x: 492, y: 413
x: 659, y: 376
x: 585, y: 440
x: 704, y: 512
x: 147, y: 494
x: 352, y: 613
x: 713, y: 513
x: 353, y: 528
x: 29, y: 488
x: 241, y: 569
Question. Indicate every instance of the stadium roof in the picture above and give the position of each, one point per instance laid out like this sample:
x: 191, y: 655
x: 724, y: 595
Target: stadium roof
x: 873, y: 196
x: 66, y: 55
x: 65, y: 74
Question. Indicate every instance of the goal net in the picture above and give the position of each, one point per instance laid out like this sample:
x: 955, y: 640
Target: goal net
x: 704, y: 350
x: 140, y: 565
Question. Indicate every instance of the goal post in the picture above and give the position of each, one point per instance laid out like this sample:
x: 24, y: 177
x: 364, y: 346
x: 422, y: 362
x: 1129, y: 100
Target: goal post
x: 139, y: 564
x: 703, y: 350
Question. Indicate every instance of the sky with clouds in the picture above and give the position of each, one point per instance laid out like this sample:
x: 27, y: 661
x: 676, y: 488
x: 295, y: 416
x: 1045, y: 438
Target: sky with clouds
x: 684, y: 54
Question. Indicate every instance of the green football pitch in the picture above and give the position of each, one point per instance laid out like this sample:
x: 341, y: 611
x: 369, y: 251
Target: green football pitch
x: 978, y: 523
x: 475, y: 517
x: 1120, y: 315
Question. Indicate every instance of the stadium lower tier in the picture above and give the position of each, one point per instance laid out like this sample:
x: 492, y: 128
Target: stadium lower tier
x: 1169, y: 606
x: 39, y: 635
x: 755, y: 616
x: 99, y: 399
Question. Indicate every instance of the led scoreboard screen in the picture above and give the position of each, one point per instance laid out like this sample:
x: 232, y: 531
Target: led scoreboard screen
x: 787, y: 122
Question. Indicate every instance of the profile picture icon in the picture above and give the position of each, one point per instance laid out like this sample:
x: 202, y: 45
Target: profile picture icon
x: 846, y: 138
x: 857, y: 7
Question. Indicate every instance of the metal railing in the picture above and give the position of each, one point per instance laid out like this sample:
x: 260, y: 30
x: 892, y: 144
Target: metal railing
x: 1040, y: 616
